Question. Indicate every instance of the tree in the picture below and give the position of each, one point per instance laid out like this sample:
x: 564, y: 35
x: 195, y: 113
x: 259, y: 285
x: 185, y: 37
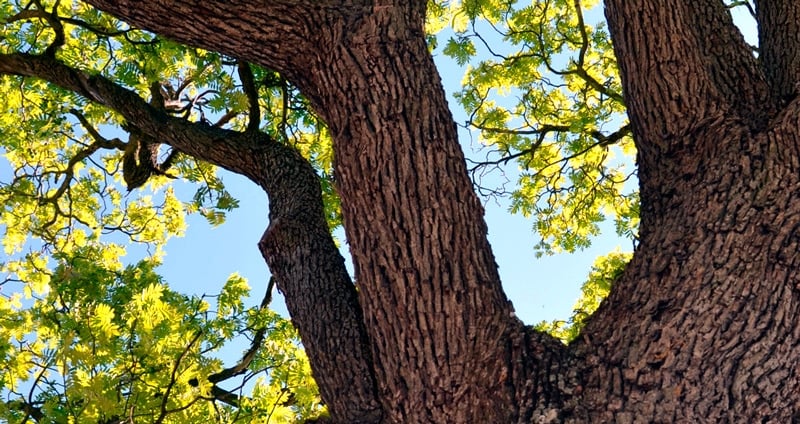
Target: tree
x: 699, y: 326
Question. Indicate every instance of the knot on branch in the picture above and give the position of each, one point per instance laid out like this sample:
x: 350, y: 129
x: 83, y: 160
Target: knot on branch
x: 140, y: 160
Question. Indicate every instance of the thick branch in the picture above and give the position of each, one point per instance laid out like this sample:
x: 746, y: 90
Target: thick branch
x: 283, y: 47
x: 730, y: 63
x: 779, y: 47
x: 250, y: 89
x: 658, y: 43
x: 217, y: 146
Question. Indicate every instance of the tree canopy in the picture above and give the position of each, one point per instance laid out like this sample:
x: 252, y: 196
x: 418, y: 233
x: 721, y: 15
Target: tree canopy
x: 85, y: 335
x: 113, y: 134
x: 110, y: 341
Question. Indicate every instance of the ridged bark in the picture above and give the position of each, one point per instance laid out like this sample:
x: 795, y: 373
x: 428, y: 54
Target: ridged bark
x: 702, y: 325
x: 778, y: 40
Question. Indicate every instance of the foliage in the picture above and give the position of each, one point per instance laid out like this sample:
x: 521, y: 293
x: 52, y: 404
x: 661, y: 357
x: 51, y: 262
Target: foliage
x: 114, y: 342
x: 84, y: 337
x: 542, y: 90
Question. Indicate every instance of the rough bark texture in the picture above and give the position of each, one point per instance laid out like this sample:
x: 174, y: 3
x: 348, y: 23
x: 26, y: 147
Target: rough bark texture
x: 700, y: 328
x: 434, y: 310
x: 446, y: 345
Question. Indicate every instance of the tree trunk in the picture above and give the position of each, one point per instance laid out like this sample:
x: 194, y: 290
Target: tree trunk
x: 427, y: 279
x: 702, y: 325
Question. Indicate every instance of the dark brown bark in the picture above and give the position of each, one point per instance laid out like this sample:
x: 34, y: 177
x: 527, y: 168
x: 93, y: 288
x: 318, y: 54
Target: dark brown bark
x: 433, y: 309
x: 700, y: 328
x: 778, y: 32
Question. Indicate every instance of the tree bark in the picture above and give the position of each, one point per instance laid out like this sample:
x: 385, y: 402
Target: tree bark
x: 701, y: 327
x: 778, y: 29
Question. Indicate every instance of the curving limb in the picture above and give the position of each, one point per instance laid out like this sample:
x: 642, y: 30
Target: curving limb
x: 298, y: 246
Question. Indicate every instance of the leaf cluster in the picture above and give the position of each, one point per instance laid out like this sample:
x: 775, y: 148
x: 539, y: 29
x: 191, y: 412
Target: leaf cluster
x: 119, y: 344
x: 542, y: 90
x: 87, y: 338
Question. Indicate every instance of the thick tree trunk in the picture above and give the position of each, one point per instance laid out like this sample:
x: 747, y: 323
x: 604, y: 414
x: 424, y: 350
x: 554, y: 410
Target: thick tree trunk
x: 445, y: 342
x: 428, y: 281
x: 702, y: 327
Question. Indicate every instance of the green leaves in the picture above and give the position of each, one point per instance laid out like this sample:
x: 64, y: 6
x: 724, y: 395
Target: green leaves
x: 461, y: 49
x: 112, y: 339
x: 117, y: 342
x: 541, y: 89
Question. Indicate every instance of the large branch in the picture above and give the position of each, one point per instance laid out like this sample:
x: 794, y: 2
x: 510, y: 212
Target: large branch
x: 280, y: 34
x: 779, y: 47
x: 683, y: 64
x: 215, y: 145
x: 730, y: 63
x: 297, y: 245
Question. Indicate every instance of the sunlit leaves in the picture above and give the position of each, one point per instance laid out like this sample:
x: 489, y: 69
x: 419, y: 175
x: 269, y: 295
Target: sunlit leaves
x: 541, y: 88
x: 121, y: 342
x: 230, y: 299
x: 85, y: 337
x: 461, y: 49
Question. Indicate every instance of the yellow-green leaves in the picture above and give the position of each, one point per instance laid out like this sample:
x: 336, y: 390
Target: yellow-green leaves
x: 230, y: 299
x: 541, y: 89
x: 86, y: 335
x: 120, y: 341
x: 102, y: 323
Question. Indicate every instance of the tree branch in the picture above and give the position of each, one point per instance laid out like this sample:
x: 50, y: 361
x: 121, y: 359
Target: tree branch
x: 778, y: 29
x: 280, y: 48
x: 247, y: 358
x: 250, y: 89
x: 297, y: 245
x: 215, y: 145
x: 173, y: 378
x: 683, y: 38
x: 55, y: 24
x: 731, y: 64
x: 99, y: 143
x: 29, y: 409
